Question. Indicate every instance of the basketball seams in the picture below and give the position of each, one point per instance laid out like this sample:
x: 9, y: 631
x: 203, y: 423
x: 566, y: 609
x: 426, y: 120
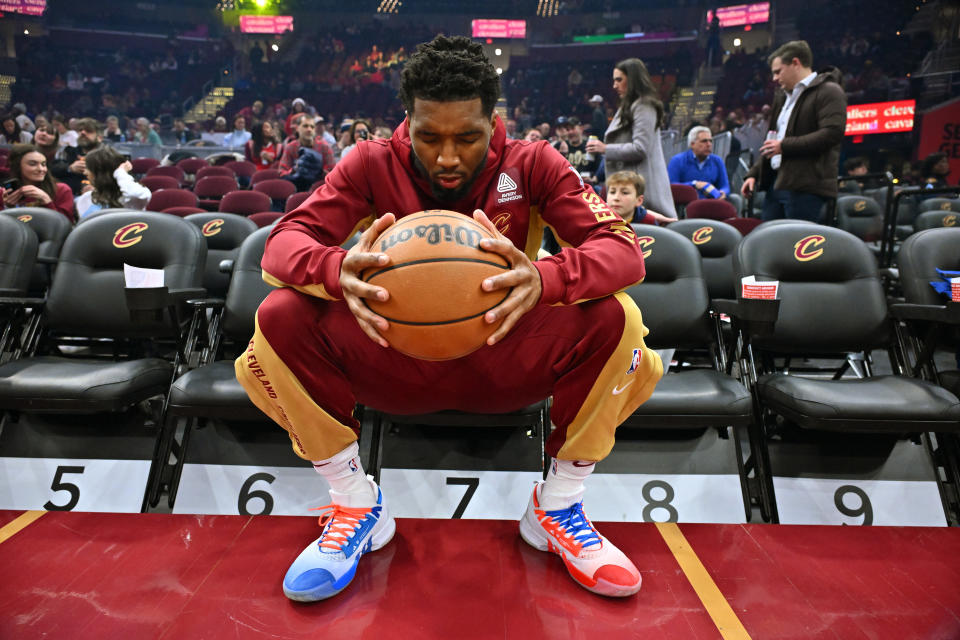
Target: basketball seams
x: 368, y: 278
x: 436, y: 323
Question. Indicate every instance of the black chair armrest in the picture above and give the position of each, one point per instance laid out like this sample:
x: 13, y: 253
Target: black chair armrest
x: 947, y: 314
x: 225, y: 266
x: 19, y: 301
x: 755, y: 316
x: 207, y: 303
x: 46, y: 260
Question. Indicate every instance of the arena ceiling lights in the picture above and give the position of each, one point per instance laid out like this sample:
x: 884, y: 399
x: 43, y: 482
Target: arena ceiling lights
x: 547, y: 8
x: 389, y: 6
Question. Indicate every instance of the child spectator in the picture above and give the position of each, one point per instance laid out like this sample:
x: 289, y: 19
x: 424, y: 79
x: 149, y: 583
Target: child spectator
x: 625, y: 198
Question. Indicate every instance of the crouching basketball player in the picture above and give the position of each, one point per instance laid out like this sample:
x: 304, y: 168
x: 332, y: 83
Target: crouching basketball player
x: 567, y: 329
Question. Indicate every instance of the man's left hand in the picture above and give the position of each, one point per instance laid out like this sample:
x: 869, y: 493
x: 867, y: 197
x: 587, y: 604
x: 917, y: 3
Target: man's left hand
x: 771, y: 148
x: 522, y: 276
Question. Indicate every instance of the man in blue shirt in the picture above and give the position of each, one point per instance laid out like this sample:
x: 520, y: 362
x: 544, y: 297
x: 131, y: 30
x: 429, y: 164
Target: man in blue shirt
x: 700, y: 168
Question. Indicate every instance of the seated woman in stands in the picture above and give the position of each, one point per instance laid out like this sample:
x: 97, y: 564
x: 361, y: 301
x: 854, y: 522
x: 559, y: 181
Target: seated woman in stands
x: 10, y: 132
x: 32, y: 185
x: 113, y: 186
x: 263, y: 149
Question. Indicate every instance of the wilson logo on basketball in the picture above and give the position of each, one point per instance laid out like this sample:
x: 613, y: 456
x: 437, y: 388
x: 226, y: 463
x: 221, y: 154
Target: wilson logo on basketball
x: 806, y: 249
x: 434, y: 234
x: 644, y: 242
x: 502, y: 222
x: 212, y: 228
x: 129, y: 235
x: 25, y: 217
x: 703, y: 235
x: 949, y: 221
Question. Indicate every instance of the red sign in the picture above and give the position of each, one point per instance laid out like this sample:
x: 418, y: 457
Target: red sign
x: 880, y: 117
x: 499, y: 28
x: 742, y: 14
x: 940, y: 131
x: 28, y: 7
x: 266, y: 24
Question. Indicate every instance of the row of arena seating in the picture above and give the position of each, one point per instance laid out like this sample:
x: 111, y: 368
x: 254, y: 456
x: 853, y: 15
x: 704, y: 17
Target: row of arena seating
x: 731, y: 375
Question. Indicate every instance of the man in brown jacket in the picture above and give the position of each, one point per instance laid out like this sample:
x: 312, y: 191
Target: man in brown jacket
x: 798, y: 163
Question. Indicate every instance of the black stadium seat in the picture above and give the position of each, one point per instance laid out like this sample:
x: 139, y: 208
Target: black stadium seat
x: 224, y: 233
x: 18, y: 254
x: 716, y: 243
x: 861, y: 216
x: 211, y: 390
x: 687, y: 397
x: 105, y: 350
x: 831, y: 303
x: 52, y: 228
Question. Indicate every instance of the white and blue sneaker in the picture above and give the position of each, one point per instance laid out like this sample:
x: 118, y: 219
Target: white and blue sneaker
x: 328, y: 564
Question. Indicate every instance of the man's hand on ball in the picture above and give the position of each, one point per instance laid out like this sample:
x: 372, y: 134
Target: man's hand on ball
x: 363, y: 255
x: 523, y: 277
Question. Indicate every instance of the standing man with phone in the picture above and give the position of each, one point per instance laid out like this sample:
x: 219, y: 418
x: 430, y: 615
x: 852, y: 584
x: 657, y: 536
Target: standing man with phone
x: 798, y: 161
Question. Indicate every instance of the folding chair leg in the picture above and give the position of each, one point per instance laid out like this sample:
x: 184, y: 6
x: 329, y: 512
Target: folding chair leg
x: 181, y: 454
x: 742, y: 472
x: 946, y: 455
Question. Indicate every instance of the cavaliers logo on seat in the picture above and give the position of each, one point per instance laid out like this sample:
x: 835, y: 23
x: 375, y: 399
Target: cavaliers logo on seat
x: 949, y: 221
x: 945, y: 206
x: 808, y: 248
x: 212, y: 227
x: 25, y: 217
x: 644, y: 242
x: 129, y: 235
x: 860, y: 205
x: 703, y: 235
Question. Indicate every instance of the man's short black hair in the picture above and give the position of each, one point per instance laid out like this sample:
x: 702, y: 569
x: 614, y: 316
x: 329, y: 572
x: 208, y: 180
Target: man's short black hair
x: 448, y: 70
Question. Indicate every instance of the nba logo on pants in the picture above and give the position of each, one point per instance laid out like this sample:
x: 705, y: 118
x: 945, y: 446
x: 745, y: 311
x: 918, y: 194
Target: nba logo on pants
x: 637, y: 355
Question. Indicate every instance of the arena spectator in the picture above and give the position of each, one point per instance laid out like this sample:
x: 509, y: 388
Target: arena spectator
x: 11, y: 133
x: 625, y: 198
x: 798, y: 163
x: 533, y: 135
x: 88, y: 139
x: 382, y: 133
x: 699, y: 167
x: 239, y: 137
x: 113, y: 132
x: 934, y: 170
x: 575, y: 150
x: 359, y: 130
x: 298, y: 106
x: 19, y: 112
x: 598, y: 117
x: 32, y: 185
x: 263, y: 149
x: 180, y: 134
x: 113, y: 186
x: 632, y: 140
x: 145, y: 133
x: 306, y: 139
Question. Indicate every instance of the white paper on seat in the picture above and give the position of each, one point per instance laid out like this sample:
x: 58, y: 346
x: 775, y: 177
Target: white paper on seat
x: 141, y: 278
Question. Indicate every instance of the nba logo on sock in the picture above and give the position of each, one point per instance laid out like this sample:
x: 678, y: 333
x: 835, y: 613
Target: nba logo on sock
x: 554, y: 467
x: 637, y: 355
x: 353, y: 465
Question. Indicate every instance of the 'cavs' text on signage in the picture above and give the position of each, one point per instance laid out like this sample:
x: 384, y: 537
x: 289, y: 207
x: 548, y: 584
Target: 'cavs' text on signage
x: 880, y: 117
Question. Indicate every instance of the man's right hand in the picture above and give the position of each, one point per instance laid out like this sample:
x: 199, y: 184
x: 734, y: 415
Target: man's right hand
x: 363, y: 256
x: 78, y: 166
x: 747, y: 188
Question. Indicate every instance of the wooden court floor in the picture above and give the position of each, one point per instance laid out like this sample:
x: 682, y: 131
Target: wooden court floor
x: 95, y: 575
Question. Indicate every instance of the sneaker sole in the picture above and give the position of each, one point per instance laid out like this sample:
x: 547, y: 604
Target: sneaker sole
x: 377, y: 541
x: 533, y: 534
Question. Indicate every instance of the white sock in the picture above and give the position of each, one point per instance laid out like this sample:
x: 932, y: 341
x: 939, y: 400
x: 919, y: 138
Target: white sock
x: 349, y: 485
x: 564, y: 484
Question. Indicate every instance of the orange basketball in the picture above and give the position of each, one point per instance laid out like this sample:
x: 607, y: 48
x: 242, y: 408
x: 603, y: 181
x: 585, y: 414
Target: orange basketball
x: 436, y: 304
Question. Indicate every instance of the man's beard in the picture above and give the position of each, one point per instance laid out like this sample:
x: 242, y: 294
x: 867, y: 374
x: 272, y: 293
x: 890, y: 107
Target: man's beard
x: 448, y: 195
x: 87, y: 145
